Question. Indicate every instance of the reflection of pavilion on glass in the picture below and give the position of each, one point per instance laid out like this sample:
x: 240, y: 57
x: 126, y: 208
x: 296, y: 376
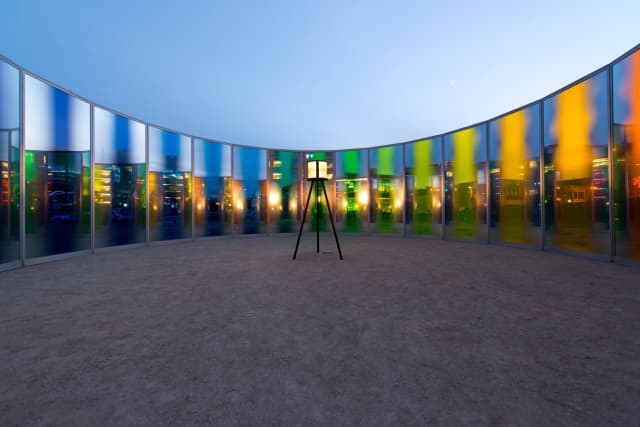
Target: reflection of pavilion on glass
x: 317, y: 174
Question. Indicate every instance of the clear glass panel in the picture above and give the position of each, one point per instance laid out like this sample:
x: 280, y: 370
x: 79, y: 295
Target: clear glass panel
x: 317, y: 204
x: 284, y: 190
x: 119, y: 180
x: 576, y: 167
x: 212, y: 170
x: 250, y: 189
x: 385, y: 176
x: 352, y: 190
x: 169, y: 185
x: 57, y: 171
x: 514, y: 174
x: 626, y: 133
x: 465, y: 183
x: 9, y: 163
x: 423, y: 168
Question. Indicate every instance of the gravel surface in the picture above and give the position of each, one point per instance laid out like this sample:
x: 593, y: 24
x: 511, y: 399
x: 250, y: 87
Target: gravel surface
x: 232, y: 332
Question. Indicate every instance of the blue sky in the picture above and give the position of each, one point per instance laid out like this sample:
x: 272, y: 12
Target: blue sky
x: 315, y: 74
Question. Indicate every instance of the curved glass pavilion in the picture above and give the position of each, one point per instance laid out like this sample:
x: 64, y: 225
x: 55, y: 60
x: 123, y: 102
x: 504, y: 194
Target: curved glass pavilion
x: 561, y: 173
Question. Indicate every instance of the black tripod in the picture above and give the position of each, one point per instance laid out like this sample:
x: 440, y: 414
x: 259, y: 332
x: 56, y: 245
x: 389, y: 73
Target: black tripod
x: 317, y: 182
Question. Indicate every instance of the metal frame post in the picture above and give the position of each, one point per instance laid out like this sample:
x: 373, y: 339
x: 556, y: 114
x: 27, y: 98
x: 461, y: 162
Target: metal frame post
x: 404, y: 194
x: 487, y: 184
x: 92, y: 173
x: 22, y: 167
x: 543, y: 183
x: 610, y: 152
x: 443, y: 197
x: 193, y: 191
x: 147, y: 195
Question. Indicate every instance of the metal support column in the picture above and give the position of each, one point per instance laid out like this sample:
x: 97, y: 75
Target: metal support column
x: 92, y: 175
x: 611, y: 153
x: 443, y: 196
x: 147, y: 196
x: 404, y: 193
x: 487, y: 165
x: 543, y: 195
x: 22, y: 232
x: 193, y: 190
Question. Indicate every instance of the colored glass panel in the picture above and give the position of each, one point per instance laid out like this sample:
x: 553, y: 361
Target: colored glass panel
x: 514, y: 175
x: 212, y: 188
x: 576, y: 167
x: 626, y: 132
x: 9, y: 163
x: 465, y: 183
x: 250, y: 189
x: 57, y: 163
x: 423, y: 167
x: 386, y: 188
x: 170, y: 185
x: 120, y: 197
x: 284, y: 190
x: 352, y: 190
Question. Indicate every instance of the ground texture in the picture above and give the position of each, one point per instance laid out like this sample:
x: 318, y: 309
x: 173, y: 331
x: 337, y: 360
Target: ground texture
x: 232, y: 332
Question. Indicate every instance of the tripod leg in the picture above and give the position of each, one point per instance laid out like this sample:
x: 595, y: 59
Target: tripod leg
x: 304, y: 216
x: 331, y: 216
x: 317, y: 217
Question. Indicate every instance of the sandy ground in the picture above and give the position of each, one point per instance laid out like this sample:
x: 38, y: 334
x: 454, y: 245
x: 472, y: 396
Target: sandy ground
x: 232, y: 332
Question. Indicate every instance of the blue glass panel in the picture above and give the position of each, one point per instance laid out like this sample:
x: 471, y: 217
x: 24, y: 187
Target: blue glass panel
x: 250, y: 189
x: 9, y: 163
x: 626, y: 137
x: 212, y: 181
x: 169, y: 185
x: 119, y: 180
x: 57, y: 171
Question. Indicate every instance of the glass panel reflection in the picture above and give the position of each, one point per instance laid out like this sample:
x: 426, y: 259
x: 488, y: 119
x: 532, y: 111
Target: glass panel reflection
x: 465, y: 183
x: 514, y: 174
x: 626, y: 132
x: 57, y: 171
x: 212, y: 170
x: 576, y: 167
x: 284, y: 189
x: 9, y: 163
x: 317, y: 202
x: 169, y: 185
x: 119, y: 180
x: 249, y: 189
x: 352, y: 190
x: 423, y: 167
x: 386, y: 188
